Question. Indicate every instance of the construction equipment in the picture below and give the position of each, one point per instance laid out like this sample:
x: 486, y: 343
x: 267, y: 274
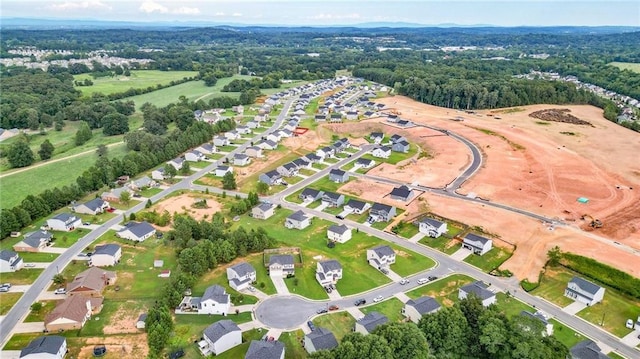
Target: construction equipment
x: 593, y: 222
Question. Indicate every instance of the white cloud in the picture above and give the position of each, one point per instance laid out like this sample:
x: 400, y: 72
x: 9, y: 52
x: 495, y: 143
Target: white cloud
x: 219, y: 13
x: 323, y: 16
x: 150, y: 6
x: 186, y: 10
x: 236, y: 14
x: 80, y: 5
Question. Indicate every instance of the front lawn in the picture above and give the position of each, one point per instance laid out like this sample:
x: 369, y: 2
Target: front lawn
x: 565, y: 334
x: 407, y: 230
x: 38, y: 257
x: 511, y: 306
x: 612, y: 312
x: 552, y: 286
x: 445, y: 290
x: 442, y: 243
x: 340, y: 324
x: 490, y: 260
x: 264, y: 283
x: 67, y: 239
x: 150, y: 192
x: 47, y: 307
x: 391, y: 308
x: 185, y: 336
x: 409, y: 262
x: 22, y: 276
x: 7, y: 300
x: 324, y: 184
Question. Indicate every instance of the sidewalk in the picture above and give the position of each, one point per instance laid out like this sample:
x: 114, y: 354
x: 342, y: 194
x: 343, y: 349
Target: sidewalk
x: 403, y: 297
x: 461, y: 254
x: 334, y: 295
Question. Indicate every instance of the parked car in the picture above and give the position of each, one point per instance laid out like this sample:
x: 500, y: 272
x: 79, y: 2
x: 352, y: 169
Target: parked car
x: 339, y: 216
x: 7, y: 285
x: 423, y: 280
x: 86, y: 223
x: 384, y: 270
x: 378, y: 299
x: 311, y: 326
x: 432, y: 277
x: 4, y: 289
x: 404, y: 281
x: 360, y: 302
x: 333, y: 307
x: 252, y: 289
x: 29, y: 265
x: 60, y: 291
x: 321, y: 311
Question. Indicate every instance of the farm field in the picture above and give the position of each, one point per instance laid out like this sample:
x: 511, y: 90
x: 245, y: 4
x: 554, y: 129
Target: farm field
x: 139, y: 79
x: 631, y: 66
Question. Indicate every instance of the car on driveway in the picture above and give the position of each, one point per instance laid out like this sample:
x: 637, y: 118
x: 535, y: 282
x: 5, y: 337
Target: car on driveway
x: 311, y: 326
x: 404, y: 281
x: 60, y: 291
x: 423, y: 280
x: 360, y: 302
x: 321, y: 311
x: 4, y: 289
x: 5, y: 285
x: 86, y: 223
x: 378, y: 299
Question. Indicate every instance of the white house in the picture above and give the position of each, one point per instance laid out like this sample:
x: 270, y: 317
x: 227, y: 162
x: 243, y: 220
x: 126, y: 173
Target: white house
x: 414, y: 309
x: 339, y: 234
x: 220, y: 337
x: 401, y: 193
x: 94, y: 206
x: 158, y: 174
x: 357, y: 207
x: 380, y: 212
x: 240, y: 159
x: 381, y: 152
x: 221, y: 141
x: 262, y: 349
x: 254, y: 151
x: 297, y: 220
x: 432, y: 227
x: 215, y: 300
x: 369, y: 322
x: 232, y: 135
x: 319, y: 339
x: 106, y: 255
x: 584, y: 291
x: 220, y: 171
x: 241, y: 275
x: 176, y: 163
x: 328, y: 272
x: 64, y: 222
x: 479, y: 289
x: 477, y: 244
x: 281, y: 265
x: 381, y: 256
x: 194, y: 156
x: 376, y: 137
x: 136, y: 231
x: 206, y: 149
x: 10, y: 261
x: 263, y: 211
x: 45, y: 347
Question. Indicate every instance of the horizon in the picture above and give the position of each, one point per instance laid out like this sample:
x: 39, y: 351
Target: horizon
x: 333, y: 13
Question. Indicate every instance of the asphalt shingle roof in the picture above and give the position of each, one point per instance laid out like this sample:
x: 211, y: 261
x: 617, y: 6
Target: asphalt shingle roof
x: 322, y: 339
x: 260, y: 349
x: 424, y: 305
x: 371, y: 320
x: 110, y: 249
x: 338, y: 229
x: 219, y: 329
x: 243, y: 269
x: 585, y: 285
x: 49, y: 344
x: 283, y: 259
x: 479, y: 289
x: 330, y: 265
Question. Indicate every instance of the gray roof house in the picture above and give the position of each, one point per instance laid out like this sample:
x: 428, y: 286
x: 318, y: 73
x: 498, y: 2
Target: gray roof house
x: 432, y: 227
x: 320, y: 118
x: 310, y: 195
x: 376, y: 137
x: 106, y: 255
x: 288, y: 169
x: 261, y: 349
x: 10, y: 261
x: 479, y: 289
x: 33, y: 241
x: 270, y: 178
x: 381, y: 256
x: 402, y: 193
x: 587, y: 349
x: 402, y: 146
x: 263, y: 211
x: 207, y: 148
x: 136, y: 231
x: 45, y: 347
x: 215, y: 300
x: 301, y: 163
x: 221, y: 141
x: 297, y: 220
x: 548, y: 326
x: 477, y: 244
x: 220, y: 337
x: 319, y: 339
x: 397, y: 138
x: 141, y: 183
x: 281, y: 265
x: 357, y: 207
x: 365, y: 163
x: 94, y: 206
x: 63, y: 222
x: 332, y: 199
x: 414, y: 309
x: 241, y: 275
x: 325, y: 152
x: 254, y: 151
x: 369, y: 322
x: 222, y: 170
x: 338, y: 176
x: 240, y: 159
x: 582, y: 290
x: 339, y: 233
x: 381, y: 213
x: 328, y: 272
x: 312, y: 157
x: 381, y: 152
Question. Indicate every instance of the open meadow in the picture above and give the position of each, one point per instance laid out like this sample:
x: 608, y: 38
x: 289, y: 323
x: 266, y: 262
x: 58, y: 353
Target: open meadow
x: 139, y: 79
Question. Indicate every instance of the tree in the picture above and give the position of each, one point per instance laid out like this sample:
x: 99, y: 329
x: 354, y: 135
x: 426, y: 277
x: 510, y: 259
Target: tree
x: 229, y: 181
x: 83, y: 134
x: 46, y: 150
x: 102, y: 150
x: 58, y: 279
x: 262, y: 188
x: 553, y: 256
x: 405, y: 340
x: 20, y: 155
x: 170, y: 171
x: 115, y: 124
x: 36, y: 307
x: 125, y: 197
x: 186, y: 168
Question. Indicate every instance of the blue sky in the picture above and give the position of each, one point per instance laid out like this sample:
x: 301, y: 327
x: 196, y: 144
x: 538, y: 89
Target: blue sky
x: 333, y: 12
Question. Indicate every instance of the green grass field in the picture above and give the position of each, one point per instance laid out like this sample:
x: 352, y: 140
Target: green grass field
x: 632, y: 66
x: 490, y: 260
x: 47, y: 307
x: 442, y: 243
x: 612, y: 313
x: 293, y: 345
x: 565, y: 334
x: 391, y: 308
x: 408, y: 230
x: 340, y: 324
x: 552, y: 286
x: 38, y: 257
x: 7, y: 300
x: 445, y: 290
x: 139, y: 79
x: 23, y: 276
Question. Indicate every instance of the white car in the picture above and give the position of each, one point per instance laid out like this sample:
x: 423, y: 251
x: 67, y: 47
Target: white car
x: 423, y: 280
x: 404, y: 281
x: 378, y: 299
x: 29, y: 265
x: 60, y: 291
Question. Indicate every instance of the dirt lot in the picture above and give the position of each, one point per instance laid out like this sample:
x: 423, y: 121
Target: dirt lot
x: 544, y: 167
x: 122, y: 322
x: 121, y: 346
x: 183, y: 204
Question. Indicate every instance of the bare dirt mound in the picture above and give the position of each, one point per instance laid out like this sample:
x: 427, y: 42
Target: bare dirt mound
x: 559, y: 115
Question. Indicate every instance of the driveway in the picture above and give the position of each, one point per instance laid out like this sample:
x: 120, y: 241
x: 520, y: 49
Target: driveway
x: 19, y: 288
x: 48, y: 295
x: 574, y: 307
x: 322, y: 206
x: 417, y: 237
x: 632, y: 339
x: 403, y: 297
x: 40, y: 265
x: 394, y: 276
x: 10, y: 354
x: 281, y: 287
x: 461, y: 254
x: 56, y: 250
x: 355, y: 312
x: 35, y: 327
x: 249, y: 325
x: 334, y: 295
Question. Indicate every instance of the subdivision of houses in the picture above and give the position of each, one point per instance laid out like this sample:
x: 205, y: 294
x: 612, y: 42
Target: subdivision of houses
x: 297, y: 220
x: 319, y: 339
x: 414, y: 309
x: 10, y: 261
x: 339, y: 233
x: 65, y: 222
x: 93, y: 207
x: 220, y: 337
x: 477, y: 244
x: 356, y: 207
x: 136, y: 231
x: 380, y: 212
x: 34, y: 241
x: 381, y: 257
x: 369, y: 323
x: 328, y: 272
x: 583, y: 291
x: 91, y: 282
x: 45, y: 347
x: 309, y: 195
x: 106, y: 255
x: 479, y: 289
x: 281, y: 265
x: 241, y: 275
x: 215, y: 300
x: 263, y: 211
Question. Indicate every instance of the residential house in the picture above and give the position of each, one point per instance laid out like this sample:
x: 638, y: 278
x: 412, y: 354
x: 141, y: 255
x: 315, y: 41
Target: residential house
x: 262, y: 349
x: 397, y: 138
x: 299, y: 112
x: 339, y: 233
x: 281, y: 265
x: 45, y: 347
x: 320, y: 118
x: 93, y: 207
x: 587, y: 349
x: 312, y: 158
x: 267, y: 145
x: 432, y: 227
x: 414, y: 309
x: 10, y: 261
x: 381, y: 152
x: 380, y: 257
x: 392, y: 118
x: 583, y: 291
x: 338, y: 176
x: 34, y: 241
x: 404, y: 123
x: 141, y: 183
x: 243, y: 130
x: 369, y: 322
x: 215, y: 300
x: 220, y: 337
x: 364, y: 163
x: 285, y: 133
x: 253, y: 152
x: 271, y: 178
x: 479, y: 289
x: 477, y: 244
x: 136, y: 231
x: 260, y: 117
x: 381, y: 213
x: 402, y: 193
x: 72, y: 313
x: 232, y: 135
x: 548, y: 326
x: 328, y: 272
x: 220, y: 171
x: 319, y: 339
x: 263, y: 211
x: 335, y: 117
x: 63, y: 222
x: 288, y: 169
x: 207, y: 149
x: 253, y: 124
x: 176, y: 163
x: 113, y: 195
x: 194, y: 156
x: 241, y: 275
x: 301, y: 163
x: 331, y: 199
x: 241, y: 160
x: 158, y: 174
x: 310, y: 195
x: 402, y: 146
x: 141, y: 323
x: 219, y: 141
x: 376, y: 137
x: 91, y: 282
x: 325, y: 152
x: 273, y: 136
x: 369, y: 114
x: 357, y: 207
x: 297, y: 220
x: 352, y: 115
x: 106, y: 255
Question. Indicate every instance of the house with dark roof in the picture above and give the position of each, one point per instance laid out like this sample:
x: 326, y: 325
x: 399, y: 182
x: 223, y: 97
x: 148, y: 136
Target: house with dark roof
x: 352, y: 115
x: 583, y: 291
x: 325, y: 152
x: 215, y: 300
x: 401, y: 193
x: 71, y: 313
x: 402, y: 146
x: 281, y: 265
x: 34, y: 241
x: 194, y: 156
x: 254, y: 152
x: 45, y: 347
x: 338, y: 176
x: 380, y: 257
x: 64, y: 222
x: 319, y: 339
x: 91, y: 282
x: 357, y: 207
x: 232, y: 135
x: 297, y: 220
x: 432, y: 227
x: 106, y: 255
x: 93, y: 207
x: 313, y: 158
x: 479, y: 289
x: 381, y: 152
x: 220, y: 337
x: 381, y: 213
x: 141, y: 323
x: 397, y: 138
x: 404, y: 123
x: 240, y: 159
x: 331, y: 199
x: 309, y: 195
x: 158, y: 174
x: 10, y: 261
x: 364, y: 163
x: 222, y: 170
x: 335, y: 117
x: 263, y: 211
x: 262, y: 349
x: 241, y: 275
x: 414, y: 309
x: 369, y: 323
x: 477, y: 244
x: 176, y: 163
x: 288, y: 169
x: 271, y: 178
x: 543, y: 319
x: 339, y: 233
x: 301, y: 163
x: 136, y: 231
x: 328, y: 272
x: 267, y: 145
x: 243, y: 130
x: 207, y: 148
x: 320, y: 118
x: 587, y: 349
